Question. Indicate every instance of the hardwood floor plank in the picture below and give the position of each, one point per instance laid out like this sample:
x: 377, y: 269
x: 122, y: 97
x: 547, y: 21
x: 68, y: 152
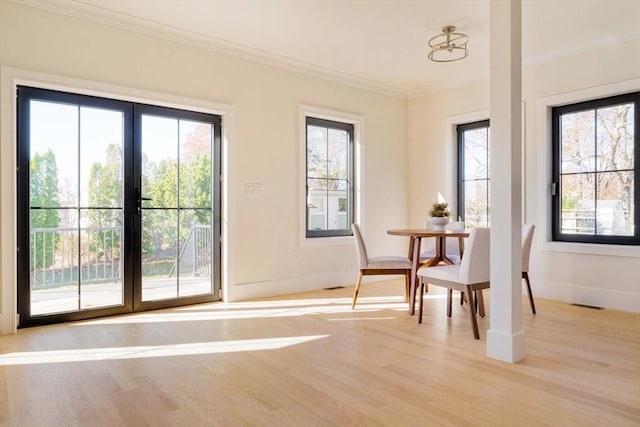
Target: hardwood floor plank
x: 309, y: 360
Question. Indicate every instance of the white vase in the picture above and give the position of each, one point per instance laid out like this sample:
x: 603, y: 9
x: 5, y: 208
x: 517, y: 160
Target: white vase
x: 439, y: 222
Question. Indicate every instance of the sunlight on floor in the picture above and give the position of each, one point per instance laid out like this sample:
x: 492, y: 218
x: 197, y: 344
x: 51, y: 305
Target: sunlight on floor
x: 343, y: 319
x: 248, y: 310
x: 220, y: 311
x: 144, y: 351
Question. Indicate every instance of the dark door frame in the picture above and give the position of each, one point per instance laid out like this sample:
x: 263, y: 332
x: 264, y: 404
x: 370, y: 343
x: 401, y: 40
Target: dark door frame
x: 131, y: 244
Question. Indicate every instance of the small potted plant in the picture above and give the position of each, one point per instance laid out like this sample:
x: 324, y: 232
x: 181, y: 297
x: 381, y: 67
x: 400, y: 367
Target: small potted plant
x: 440, y: 215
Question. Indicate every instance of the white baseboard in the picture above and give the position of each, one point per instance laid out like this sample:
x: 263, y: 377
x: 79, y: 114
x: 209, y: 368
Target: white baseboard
x: 507, y: 347
x: 252, y: 290
x: 8, y: 322
x: 246, y: 291
x: 596, y: 297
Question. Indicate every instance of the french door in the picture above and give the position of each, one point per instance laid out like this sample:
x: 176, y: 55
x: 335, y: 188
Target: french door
x: 118, y: 207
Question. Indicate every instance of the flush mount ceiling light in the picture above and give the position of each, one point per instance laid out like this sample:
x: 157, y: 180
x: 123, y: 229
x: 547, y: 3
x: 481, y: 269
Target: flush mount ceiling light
x: 448, y: 46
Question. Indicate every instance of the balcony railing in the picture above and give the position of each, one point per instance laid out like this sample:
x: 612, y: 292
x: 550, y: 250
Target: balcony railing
x: 56, y: 254
x: 62, y: 256
x: 195, y: 255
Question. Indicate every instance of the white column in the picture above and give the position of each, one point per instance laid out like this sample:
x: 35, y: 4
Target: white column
x: 505, y: 338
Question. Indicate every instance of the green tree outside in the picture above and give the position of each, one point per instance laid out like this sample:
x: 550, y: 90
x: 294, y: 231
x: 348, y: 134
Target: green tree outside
x: 44, y: 194
x: 105, y: 190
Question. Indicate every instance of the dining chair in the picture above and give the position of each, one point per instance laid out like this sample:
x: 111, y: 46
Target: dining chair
x: 472, y: 274
x: 454, y: 249
x: 527, y: 238
x: 379, y: 265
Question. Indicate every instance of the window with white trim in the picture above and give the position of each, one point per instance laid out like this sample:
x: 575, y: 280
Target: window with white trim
x: 473, y: 173
x: 596, y: 157
x: 329, y: 177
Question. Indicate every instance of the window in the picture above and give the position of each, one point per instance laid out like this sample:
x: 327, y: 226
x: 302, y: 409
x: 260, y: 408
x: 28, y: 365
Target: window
x: 329, y: 177
x: 473, y: 173
x: 595, y: 166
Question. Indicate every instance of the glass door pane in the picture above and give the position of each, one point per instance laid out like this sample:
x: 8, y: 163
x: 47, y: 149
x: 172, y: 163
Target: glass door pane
x: 195, y: 259
x: 176, y: 208
x: 75, y: 207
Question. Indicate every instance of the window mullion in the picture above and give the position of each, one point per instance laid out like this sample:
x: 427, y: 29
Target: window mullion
x: 326, y: 174
x: 595, y: 173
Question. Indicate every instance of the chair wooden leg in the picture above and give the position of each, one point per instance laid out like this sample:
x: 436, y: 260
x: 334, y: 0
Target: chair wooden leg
x: 422, y: 283
x: 449, y: 298
x: 463, y: 298
x: 407, y: 284
x: 419, y: 284
x: 421, y: 301
x: 472, y: 312
x: 525, y: 276
x: 355, y: 294
x: 480, y: 303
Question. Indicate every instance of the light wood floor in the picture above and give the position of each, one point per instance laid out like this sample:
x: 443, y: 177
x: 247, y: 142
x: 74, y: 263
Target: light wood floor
x: 309, y: 360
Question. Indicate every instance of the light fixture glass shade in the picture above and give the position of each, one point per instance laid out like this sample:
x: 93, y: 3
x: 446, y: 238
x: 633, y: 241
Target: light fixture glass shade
x: 448, y: 46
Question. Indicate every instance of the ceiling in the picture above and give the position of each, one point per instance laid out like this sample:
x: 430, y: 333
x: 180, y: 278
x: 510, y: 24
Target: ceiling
x: 377, y: 44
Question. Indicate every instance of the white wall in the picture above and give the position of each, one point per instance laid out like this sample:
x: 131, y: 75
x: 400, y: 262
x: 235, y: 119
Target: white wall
x: 408, y: 149
x: 595, y: 275
x: 265, y: 256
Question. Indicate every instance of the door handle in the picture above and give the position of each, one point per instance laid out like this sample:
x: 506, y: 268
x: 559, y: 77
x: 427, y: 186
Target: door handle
x: 139, y: 200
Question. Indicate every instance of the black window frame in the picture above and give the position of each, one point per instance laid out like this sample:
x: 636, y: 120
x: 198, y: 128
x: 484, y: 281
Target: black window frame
x: 556, y: 190
x: 350, y: 129
x: 460, y: 129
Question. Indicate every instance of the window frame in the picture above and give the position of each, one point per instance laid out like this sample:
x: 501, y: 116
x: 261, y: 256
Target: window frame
x: 556, y: 192
x: 132, y: 111
x: 350, y: 128
x: 460, y: 129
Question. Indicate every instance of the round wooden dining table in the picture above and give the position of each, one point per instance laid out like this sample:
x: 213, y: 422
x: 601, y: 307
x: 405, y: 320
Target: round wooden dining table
x: 415, y: 236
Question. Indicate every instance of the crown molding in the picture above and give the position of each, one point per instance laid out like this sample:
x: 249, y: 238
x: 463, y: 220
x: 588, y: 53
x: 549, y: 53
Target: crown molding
x: 79, y: 10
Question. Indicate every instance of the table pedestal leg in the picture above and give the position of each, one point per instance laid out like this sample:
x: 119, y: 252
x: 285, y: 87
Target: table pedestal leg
x: 414, y: 256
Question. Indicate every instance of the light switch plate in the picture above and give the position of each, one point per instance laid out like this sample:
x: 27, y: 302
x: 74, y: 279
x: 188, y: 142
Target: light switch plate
x: 254, y: 189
